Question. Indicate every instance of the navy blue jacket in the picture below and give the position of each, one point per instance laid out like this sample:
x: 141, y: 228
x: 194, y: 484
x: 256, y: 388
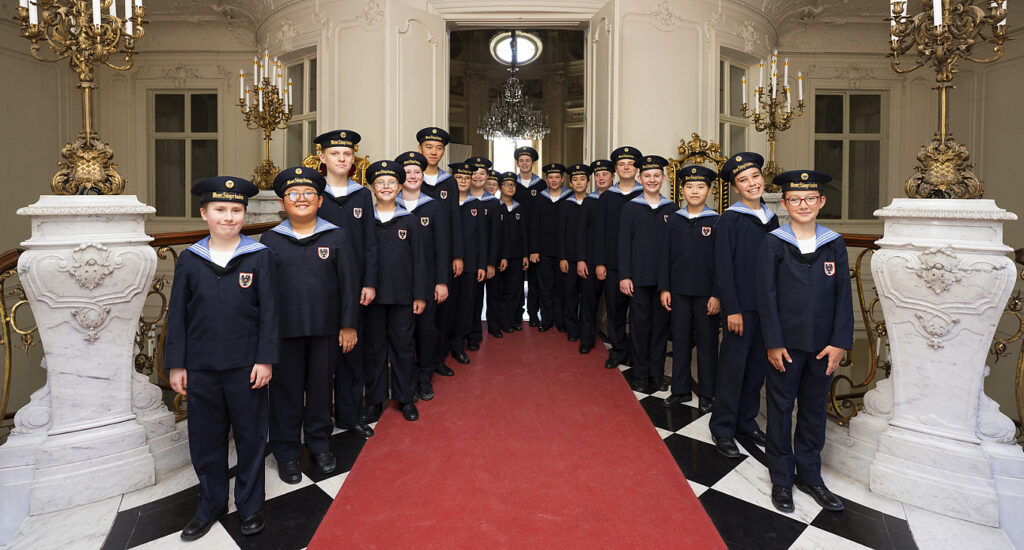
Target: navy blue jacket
x: 641, y: 239
x: 589, y: 232
x: 492, y: 227
x: 447, y: 192
x: 569, y: 214
x: 525, y: 196
x: 403, y: 265
x: 474, y: 236
x: 689, y: 267
x: 805, y: 300
x: 609, y: 212
x: 221, y: 318
x: 544, y: 222
x: 433, y: 220
x: 318, y: 286
x: 513, y: 232
x: 740, y: 233
x: 354, y: 213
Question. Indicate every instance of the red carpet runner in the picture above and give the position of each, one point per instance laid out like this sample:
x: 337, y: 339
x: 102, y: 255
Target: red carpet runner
x: 530, y: 446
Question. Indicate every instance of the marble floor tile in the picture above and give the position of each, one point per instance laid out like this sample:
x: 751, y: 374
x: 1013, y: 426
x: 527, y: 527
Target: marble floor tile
x: 663, y: 433
x: 699, y: 461
x: 291, y: 519
x: 698, y: 429
x: 866, y: 526
x: 332, y: 485
x: 274, y: 486
x: 934, y: 531
x: 749, y: 481
x: 698, y: 489
x: 166, y: 485
x: 815, y: 539
x: 82, y: 527
x: 849, y: 488
x: 217, y: 539
x: 748, y: 526
x: 672, y: 418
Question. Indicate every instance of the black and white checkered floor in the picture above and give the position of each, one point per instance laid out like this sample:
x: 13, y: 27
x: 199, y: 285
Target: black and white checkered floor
x: 734, y: 493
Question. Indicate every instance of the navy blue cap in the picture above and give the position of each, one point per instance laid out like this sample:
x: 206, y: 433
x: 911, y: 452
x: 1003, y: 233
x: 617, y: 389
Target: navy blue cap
x: 526, y: 150
x: 602, y: 164
x: 627, y: 152
x: 433, y: 133
x: 553, y: 168
x: 337, y: 138
x: 462, y: 168
x: 508, y: 177
x: 299, y: 175
x: 580, y: 169
x: 695, y: 172
x: 385, y: 168
x: 738, y: 163
x: 493, y: 175
x: 224, y: 189
x: 802, y: 180
x: 412, y: 158
x: 652, y: 162
x: 479, y: 162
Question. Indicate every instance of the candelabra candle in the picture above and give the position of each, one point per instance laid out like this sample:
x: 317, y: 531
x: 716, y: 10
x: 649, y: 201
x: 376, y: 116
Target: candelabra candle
x: 266, y: 106
x: 941, y: 34
x: 773, y: 114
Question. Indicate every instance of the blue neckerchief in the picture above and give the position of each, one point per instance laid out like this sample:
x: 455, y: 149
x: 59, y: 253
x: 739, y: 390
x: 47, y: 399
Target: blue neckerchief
x: 533, y: 179
x: 399, y: 212
x: 441, y: 176
x: 615, y: 188
x: 822, y: 235
x: 738, y: 206
x: 285, y: 228
x: 353, y: 186
x: 573, y: 199
x: 594, y: 195
x: 469, y: 197
x: 511, y: 207
x: 706, y: 212
x: 424, y: 199
x: 487, y: 197
x: 561, y: 193
x: 639, y: 199
x: 245, y: 246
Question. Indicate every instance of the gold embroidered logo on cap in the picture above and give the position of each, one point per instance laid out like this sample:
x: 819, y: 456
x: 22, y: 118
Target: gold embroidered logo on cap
x: 411, y: 155
x: 625, y: 150
x: 739, y: 158
x: 229, y: 184
x: 804, y: 176
x: 693, y: 170
x: 433, y: 131
x: 298, y: 170
x: 342, y: 134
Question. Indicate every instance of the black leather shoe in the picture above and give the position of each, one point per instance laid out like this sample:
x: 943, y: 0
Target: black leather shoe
x: 611, y: 363
x: 325, y: 462
x: 496, y: 334
x: 561, y: 329
x: 445, y: 370
x: 460, y: 357
x: 196, y: 528
x: 517, y: 327
x: 572, y: 338
x: 534, y: 323
x: 638, y: 385
x: 361, y: 429
x: 544, y: 328
x: 371, y: 413
x: 727, y: 447
x: 426, y: 391
x: 253, y: 523
x: 508, y: 330
x: 289, y: 471
x: 704, y: 405
x: 677, y: 399
x: 473, y: 346
x: 756, y: 437
x: 659, y: 384
x: 782, y: 499
x: 825, y: 498
x: 409, y: 412
x: 585, y: 349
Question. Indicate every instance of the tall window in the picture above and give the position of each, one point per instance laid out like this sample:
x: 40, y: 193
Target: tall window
x: 302, y: 127
x: 732, y: 125
x: 848, y: 132
x: 503, y: 153
x: 184, y: 141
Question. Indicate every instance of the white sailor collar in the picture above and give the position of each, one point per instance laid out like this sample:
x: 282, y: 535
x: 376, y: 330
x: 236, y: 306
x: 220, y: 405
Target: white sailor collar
x: 738, y: 206
x: 561, y: 193
x: 594, y: 195
x: 469, y: 197
x: 822, y: 235
x: 534, y: 179
x: 424, y: 199
x: 706, y: 212
x: 487, y: 196
x: 511, y: 207
x: 639, y: 199
x: 573, y: 199
x: 399, y: 212
x: 246, y: 245
x: 285, y: 228
x: 636, y: 187
x: 353, y: 186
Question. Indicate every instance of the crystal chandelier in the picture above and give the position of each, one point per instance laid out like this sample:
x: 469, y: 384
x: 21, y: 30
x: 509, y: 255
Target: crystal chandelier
x: 512, y: 114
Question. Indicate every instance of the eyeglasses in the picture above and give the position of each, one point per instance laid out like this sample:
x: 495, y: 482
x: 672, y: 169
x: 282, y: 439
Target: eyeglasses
x: 385, y: 184
x: 296, y: 196
x: 811, y: 201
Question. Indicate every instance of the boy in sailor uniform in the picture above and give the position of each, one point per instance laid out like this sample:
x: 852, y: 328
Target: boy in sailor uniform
x: 587, y: 239
x: 488, y: 204
x: 806, y: 311
x: 404, y: 286
x: 529, y: 186
x: 441, y: 186
x: 491, y: 292
x: 687, y: 285
x: 609, y: 211
x: 569, y: 213
x: 741, y: 361
x: 222, y: 338
x: 318, y: 301
x: 512, y: 269
x: 641, y: 246
x: 458, y: 318
x: 544, y: 246
x: 433, y: 221
x: 349, y: 205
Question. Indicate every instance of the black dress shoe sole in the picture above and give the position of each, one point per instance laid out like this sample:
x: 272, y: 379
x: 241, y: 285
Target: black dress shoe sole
x: 824, y: 505
x: 759, y: 441
x: 784, y: 508
x: 445, y: 371
x: 728, y: 453
x: 198, y: 535
x: 326, y: 469
x: 367, y: 433
x: 584, y: 350
x: 426, y: 396
x: 254, y: 530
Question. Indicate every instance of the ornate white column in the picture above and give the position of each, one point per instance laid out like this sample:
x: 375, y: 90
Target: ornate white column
x: 86, y: 271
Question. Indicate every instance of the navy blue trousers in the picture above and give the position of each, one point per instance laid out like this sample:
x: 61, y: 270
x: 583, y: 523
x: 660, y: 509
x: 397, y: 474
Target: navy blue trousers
x: 616, y: 304
x: 219, y: 401
x: 391, y: 325
x: 742, y: 363
x: 804, y: 381
x: 350, y: 375
x: 691, y: 323
x: 510, y: 292
x: 590, y: 296
x: 552, y: 307
x: 300, y: 396
x: 648, y: 327
x: 427, y: 341
x: 532, y: 294
x: 572, y: 288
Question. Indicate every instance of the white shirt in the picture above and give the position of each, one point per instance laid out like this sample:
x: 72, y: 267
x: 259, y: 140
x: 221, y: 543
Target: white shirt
x: 764, y: 218
x: 410, y: 205
x: 806, y: 246
x: 431, y: 179
x: 339, y: 191
x: 221, y: 258
x: 301, y: 235
x: 386, y: 216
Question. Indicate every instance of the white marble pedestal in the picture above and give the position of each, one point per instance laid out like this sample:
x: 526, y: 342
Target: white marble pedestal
x: 928, y: 435
x: 264, y: 207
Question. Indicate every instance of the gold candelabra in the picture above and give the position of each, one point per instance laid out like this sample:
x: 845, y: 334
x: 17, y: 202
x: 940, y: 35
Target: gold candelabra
x: 266, y: 105
x: 942, y: 34
x: 86, y: 33
x: 773, y: 109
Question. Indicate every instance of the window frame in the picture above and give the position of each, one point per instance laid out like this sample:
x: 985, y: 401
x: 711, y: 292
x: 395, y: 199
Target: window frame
x: 307, y: 117
x: 187, y: 136
x: 725, y: 120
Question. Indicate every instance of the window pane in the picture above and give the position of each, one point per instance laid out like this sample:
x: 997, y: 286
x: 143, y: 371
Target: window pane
x: 312, y: 85
x: 736, y: 90
x: 723, y: 73
x: 737, y: 137
x: 865, y: 114
x: 297, y: 74
x: 723, y: 137
x: 294, y: 153
x: 310, y: 136
x: 828, y: 114
x: 865, y: 174
x: 204, y: 113
x: 169, y: 110
x: 204, y: 164
x: 169, y: 181
x: 828, y: 158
